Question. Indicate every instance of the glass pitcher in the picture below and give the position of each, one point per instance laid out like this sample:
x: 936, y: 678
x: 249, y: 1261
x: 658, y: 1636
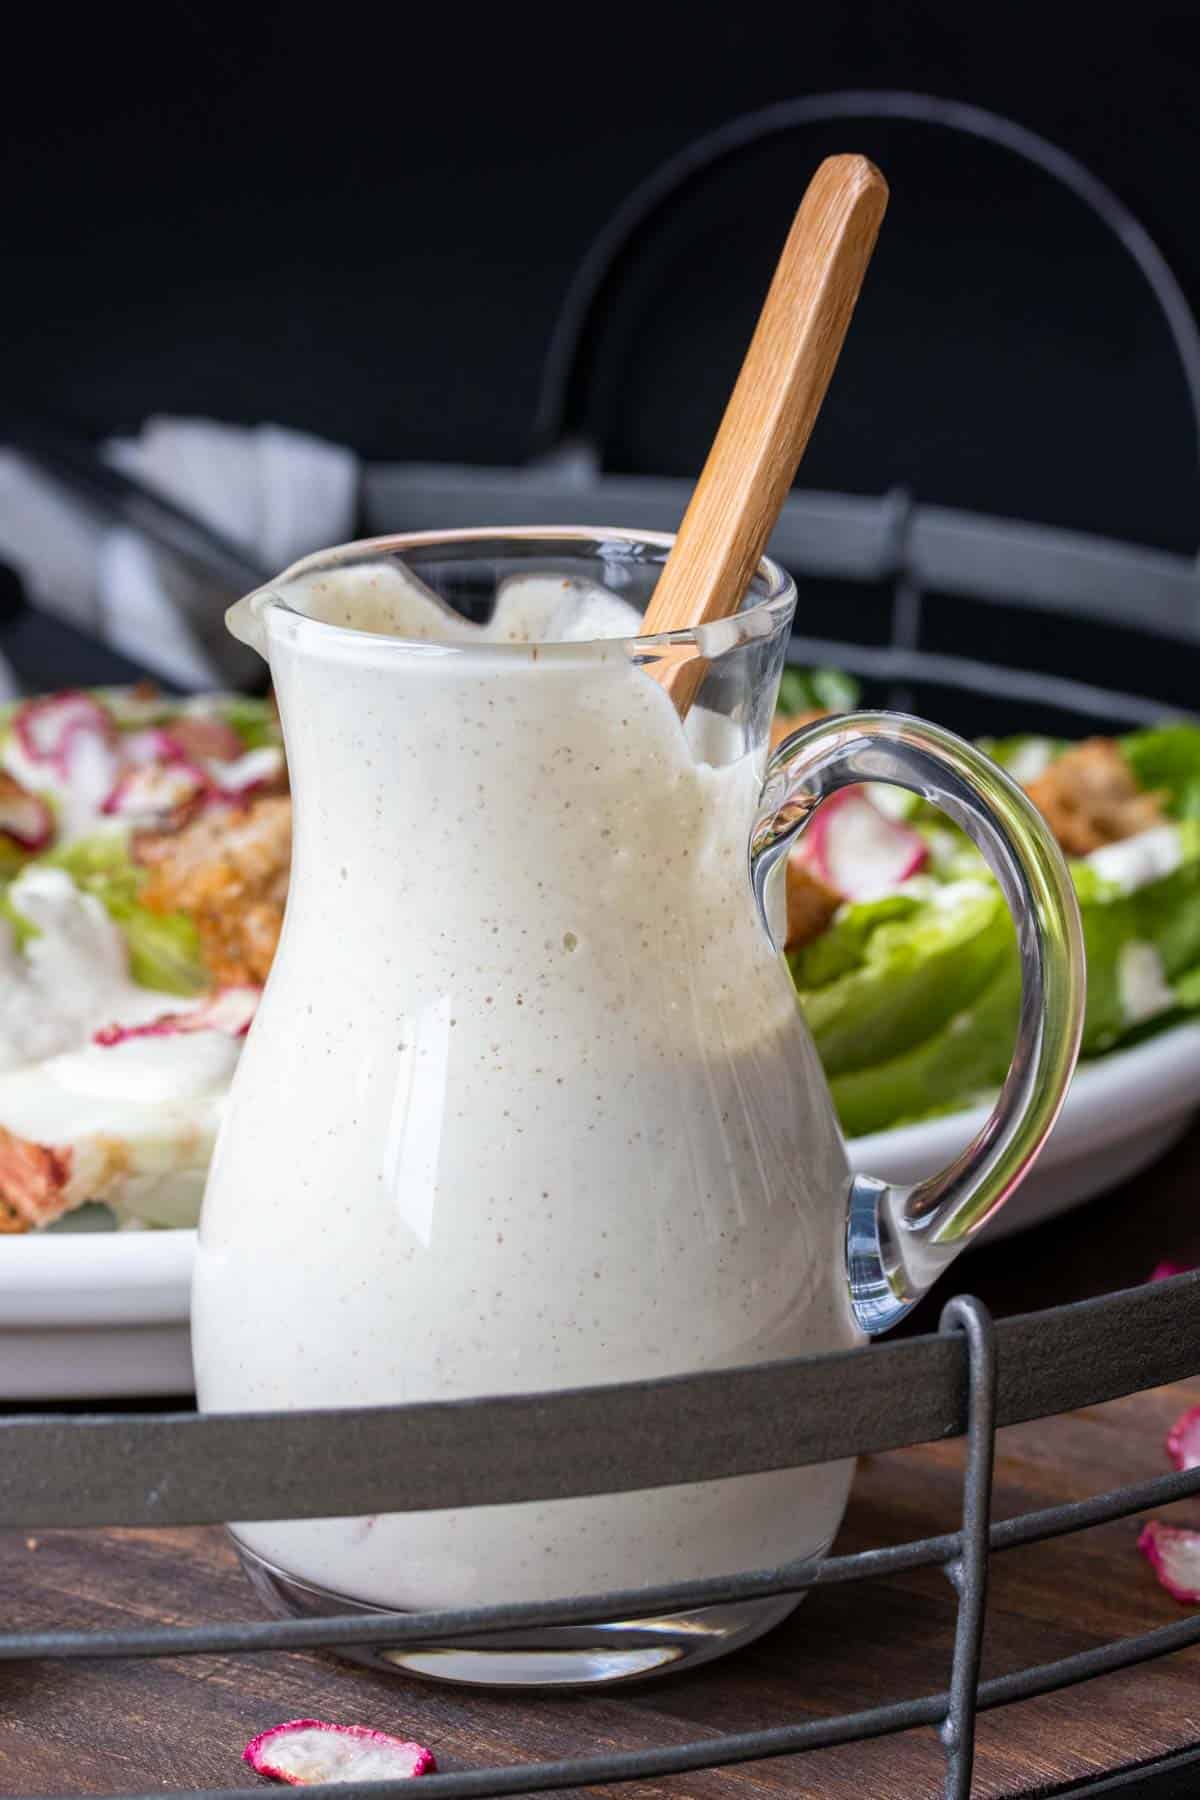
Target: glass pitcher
x: 529, y: 1102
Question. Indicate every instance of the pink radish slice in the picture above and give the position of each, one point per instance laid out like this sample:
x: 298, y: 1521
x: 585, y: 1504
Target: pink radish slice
x: 1174, y: 1554
x: 1163, y: 1271
x: 306, y: 1751
x: 154, y: 791
x: 44, y: 728
x: 201, y: 736
x: 25, y: 819
x: 153, y: 744
x: 859, y: 852
x: 1183, y: 1440
x: 88, y: 762
x: 230, y: 1010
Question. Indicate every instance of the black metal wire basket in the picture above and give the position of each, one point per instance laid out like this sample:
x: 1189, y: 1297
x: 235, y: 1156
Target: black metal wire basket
x: 970, y: 1377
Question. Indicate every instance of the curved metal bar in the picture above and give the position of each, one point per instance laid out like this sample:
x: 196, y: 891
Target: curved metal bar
x: 340, y: 1631
x: 750, y: 1746
x: 965, y: 674
x: 1069, y: 1340
x: 183, y: 1469
x: 559, y: 414
x: 967, y: 1571
x: 850, y: 537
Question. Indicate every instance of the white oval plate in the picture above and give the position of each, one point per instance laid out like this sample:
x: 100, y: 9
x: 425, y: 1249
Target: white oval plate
x: 92, y: 1315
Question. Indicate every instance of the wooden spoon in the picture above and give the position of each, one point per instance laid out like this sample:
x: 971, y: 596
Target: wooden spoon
x: 771, y: 412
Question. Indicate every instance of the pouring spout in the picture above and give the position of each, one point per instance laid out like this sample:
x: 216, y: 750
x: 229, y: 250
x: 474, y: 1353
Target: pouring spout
x: 245, y: 620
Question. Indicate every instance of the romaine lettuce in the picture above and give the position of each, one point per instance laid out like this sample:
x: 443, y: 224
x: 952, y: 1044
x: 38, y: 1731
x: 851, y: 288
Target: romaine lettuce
x: 255, y: 721
x: 817, y: 690
x: 164, y: 950
x: 1167, y: 761
x: 913, y: 1002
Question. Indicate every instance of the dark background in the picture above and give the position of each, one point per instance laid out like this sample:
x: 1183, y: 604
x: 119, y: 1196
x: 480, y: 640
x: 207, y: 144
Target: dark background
x: 363, y: 220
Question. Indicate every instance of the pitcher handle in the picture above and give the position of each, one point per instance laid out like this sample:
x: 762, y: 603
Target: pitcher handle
x: 899, y: 1239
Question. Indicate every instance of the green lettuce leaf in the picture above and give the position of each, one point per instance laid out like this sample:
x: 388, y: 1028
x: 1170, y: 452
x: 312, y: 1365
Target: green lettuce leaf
x: 903, y: 977
x: 255, y: 721
x: 969, y: 1053
x: 1167, y: 760
x: 817, y: 690
x: 914, y: 1011
x: 164, y: 950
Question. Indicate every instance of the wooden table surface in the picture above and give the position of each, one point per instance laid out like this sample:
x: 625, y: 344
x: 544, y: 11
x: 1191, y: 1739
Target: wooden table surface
x: 137, y: 1726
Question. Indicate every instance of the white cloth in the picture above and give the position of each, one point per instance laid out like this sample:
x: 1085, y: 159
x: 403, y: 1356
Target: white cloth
x: 277, y: 492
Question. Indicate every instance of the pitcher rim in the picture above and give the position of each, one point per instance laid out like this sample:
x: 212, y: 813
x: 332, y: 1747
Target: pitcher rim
x: 776, y: 602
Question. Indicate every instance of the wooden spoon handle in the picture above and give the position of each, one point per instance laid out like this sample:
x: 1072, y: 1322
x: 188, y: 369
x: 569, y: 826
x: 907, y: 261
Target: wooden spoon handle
x: 772, y: 409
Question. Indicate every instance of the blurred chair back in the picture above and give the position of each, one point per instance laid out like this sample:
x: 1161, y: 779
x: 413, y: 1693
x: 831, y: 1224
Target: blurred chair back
x: 999, y: 512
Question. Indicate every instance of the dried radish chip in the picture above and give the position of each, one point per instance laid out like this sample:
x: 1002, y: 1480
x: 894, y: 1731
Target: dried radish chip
x: 1183, y: 1440
x: 1173, y: 1553
x: 306, y: 1751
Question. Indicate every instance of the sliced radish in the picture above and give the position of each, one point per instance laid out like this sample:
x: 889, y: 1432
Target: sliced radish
x: 153, y: 744
x: 201, y: 736
x: 1183, y: 1440
x: 1163, y: 1271
x: 25, y: 819
x: 306, y: 1751
x: 857, y: 851
x: 46, y: 727
x: 154, y: 792
x: 89, y: 764
x: 1173, y: 1552
x: 230, y: 1010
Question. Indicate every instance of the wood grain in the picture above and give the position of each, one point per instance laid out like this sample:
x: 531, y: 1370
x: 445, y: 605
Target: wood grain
x: 95, y: 1728
x: 772, y: 409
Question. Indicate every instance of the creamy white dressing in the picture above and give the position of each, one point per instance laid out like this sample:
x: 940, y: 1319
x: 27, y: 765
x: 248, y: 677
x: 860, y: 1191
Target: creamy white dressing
x: 1029, y: 760
x: 48, y: 1104
x: 1142, y: 983
x: 528, y: 609
x: 148, y: 1070
x: 893, y: 802
x: 70, y: 978
x: 528, y: 1102
x: 951, y: 856
x: 140, y: 1116
x: 263, y: 764
x: 143, y: 1153
x: 947, y: 896
x: 1135, y: 862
